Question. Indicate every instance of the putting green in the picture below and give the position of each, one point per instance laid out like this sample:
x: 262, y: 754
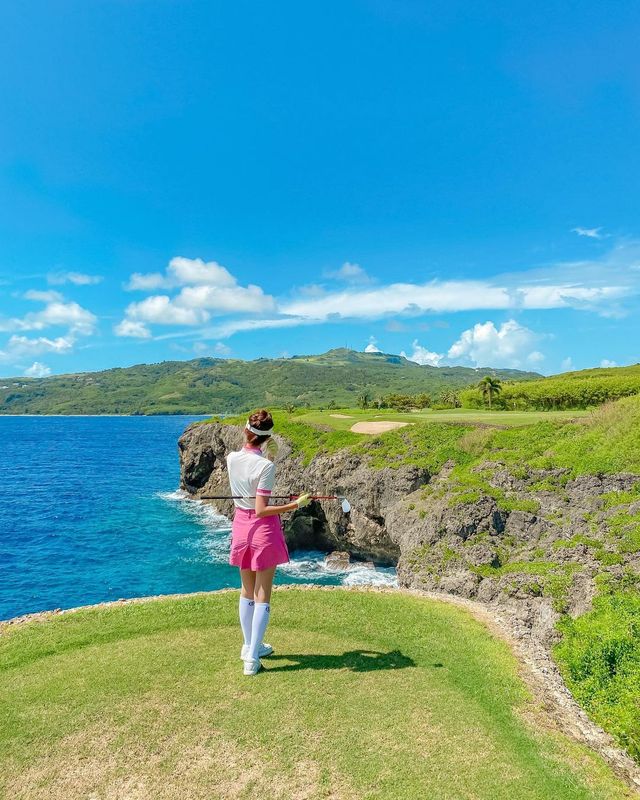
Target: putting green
x: 368, y: 695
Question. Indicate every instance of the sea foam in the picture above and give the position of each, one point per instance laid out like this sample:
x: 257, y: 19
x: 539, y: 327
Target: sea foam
x: 305, y: 565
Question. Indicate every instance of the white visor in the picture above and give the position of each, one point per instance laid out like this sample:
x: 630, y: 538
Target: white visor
x: 257, y: 431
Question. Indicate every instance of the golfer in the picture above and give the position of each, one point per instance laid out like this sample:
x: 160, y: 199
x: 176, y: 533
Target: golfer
x: 257, y: 540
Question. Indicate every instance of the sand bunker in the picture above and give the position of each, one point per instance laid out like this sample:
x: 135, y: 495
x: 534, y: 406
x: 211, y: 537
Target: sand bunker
x: 377, y: 427
x: 341, y: 416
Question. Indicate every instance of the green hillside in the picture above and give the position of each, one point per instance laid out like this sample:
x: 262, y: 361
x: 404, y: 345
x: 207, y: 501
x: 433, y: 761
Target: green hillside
x: 588, y: 387
x: 210, y: 385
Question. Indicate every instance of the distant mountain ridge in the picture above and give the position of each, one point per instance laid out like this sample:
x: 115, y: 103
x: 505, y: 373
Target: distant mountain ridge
x: 218, y: 385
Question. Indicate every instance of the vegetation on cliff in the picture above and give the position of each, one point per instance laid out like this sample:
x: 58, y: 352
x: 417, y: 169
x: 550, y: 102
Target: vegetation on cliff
x: 600, y: 659
x: 367, y: 695
x: 573, y: 536
x: 589, y: 387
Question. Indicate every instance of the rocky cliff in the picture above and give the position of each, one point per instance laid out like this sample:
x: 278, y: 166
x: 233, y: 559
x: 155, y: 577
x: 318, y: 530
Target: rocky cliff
x: 530, y: 542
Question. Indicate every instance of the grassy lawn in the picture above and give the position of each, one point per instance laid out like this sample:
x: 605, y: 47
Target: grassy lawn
x: 368, y: 695
x: 462, y: 415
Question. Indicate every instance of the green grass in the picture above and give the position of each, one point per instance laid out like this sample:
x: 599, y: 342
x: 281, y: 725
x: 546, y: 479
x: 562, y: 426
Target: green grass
x: 307, y: 441
x: 602, y: 441
x: 606, y: 441
x: 460, y: 415
x: 599, y: 657
x: 368, y: 696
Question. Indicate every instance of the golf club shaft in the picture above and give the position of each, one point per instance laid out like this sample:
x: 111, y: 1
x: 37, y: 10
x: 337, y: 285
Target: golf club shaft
x: 270, y: 496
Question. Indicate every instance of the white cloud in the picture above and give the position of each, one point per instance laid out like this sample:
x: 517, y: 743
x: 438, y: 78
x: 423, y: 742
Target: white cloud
x: 37, y: 370
x: 566, y: 364
x: 183, y: 272
x: 219, y: 348
x: 204, y: 287
x: 237, y: 299
x: 484, y: 345
x: 423, y: 356
x: 132, y: 328
x: 22, y: 345
x: 56, y: 313
x: 448, y: 296
x: 604, y: 286
x: 48, y: 296
x: 607, y: 363
x: 79, y: 320
x: 161, y: 309
x: 189, y: 271
x: 228, y: 328
x: 77, y: 278
x: 146, y: 282
x: 315, y: 290
x: 372, y: 347
x: 591, y: 233
x: 349, y: 273
x: 536, y: 357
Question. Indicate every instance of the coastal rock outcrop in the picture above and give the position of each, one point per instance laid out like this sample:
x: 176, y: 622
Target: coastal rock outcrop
x: 529, y: 541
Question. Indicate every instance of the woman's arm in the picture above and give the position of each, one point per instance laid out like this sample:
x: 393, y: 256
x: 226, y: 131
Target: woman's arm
x: 263, y: 509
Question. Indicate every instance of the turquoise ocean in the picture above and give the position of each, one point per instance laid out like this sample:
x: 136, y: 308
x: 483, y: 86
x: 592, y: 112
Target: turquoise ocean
x: 90, y: 511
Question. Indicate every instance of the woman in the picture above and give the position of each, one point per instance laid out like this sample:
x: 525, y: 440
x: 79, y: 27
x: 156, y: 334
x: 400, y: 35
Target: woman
x: 257, y: 540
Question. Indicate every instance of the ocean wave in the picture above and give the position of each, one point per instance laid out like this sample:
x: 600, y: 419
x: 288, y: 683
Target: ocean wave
x: 308, y: 565
x: 202, y: 512
x: 311, y: 565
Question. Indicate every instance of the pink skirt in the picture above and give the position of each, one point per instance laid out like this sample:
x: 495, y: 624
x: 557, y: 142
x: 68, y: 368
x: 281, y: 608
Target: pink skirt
x: 257, y: 543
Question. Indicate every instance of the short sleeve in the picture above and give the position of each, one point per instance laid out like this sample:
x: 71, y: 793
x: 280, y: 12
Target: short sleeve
x: 267, y: 478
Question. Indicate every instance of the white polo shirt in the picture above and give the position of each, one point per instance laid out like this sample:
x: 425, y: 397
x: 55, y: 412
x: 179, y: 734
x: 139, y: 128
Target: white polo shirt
x: 250, y: 474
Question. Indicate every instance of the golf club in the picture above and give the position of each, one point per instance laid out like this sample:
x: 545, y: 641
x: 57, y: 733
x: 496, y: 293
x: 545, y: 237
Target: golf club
x: 345, y: 504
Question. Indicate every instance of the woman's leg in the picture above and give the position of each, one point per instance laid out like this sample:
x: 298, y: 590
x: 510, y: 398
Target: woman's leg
x: 247, y: 605
x: 248, y: 578
x: 263, y: 585
x: 262, y: 608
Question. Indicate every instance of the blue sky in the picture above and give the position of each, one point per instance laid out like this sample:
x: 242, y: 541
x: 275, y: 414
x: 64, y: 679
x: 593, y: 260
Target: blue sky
x: 456, y: 181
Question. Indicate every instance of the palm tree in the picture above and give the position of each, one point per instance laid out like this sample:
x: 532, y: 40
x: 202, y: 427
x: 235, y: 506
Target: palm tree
x: 289, y: 408
x: 450, y: 398
x: 489, y: 386
x: 331, y: 404
x: 363, y: 400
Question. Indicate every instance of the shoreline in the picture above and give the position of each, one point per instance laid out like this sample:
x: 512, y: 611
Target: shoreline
x: 536, y: 668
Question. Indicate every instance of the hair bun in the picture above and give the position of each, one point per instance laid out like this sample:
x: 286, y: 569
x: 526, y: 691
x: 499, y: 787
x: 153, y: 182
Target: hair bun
x: 262, y: 420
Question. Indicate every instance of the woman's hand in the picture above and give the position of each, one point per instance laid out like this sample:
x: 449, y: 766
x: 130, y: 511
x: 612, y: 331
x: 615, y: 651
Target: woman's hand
x: 263, y: 509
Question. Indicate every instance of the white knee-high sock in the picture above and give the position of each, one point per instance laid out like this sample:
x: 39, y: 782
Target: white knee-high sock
x: 258, y: 628
x: 246, y: 617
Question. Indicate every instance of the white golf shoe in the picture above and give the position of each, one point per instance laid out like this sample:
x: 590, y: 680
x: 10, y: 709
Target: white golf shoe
x: 263, y: 651
x: 252, y: 666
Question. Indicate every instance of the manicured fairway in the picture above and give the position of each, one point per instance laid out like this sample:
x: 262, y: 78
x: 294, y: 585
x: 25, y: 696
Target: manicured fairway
x: 462, y: 415
x: 369, y: 695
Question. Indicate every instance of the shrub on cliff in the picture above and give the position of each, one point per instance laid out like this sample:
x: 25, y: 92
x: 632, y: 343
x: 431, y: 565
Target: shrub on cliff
x: 599, y: 657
